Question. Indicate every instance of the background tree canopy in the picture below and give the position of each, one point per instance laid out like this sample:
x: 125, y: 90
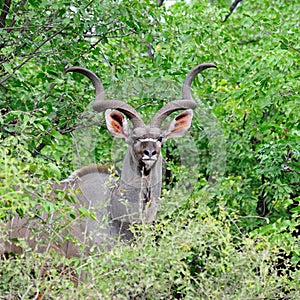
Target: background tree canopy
x: 236, y: 233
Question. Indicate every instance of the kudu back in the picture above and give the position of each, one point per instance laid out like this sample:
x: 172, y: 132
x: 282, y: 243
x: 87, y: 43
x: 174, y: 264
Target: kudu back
x: 117, y: 203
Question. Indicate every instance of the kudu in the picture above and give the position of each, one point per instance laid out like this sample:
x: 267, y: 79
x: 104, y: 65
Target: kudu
x: 117, y: 204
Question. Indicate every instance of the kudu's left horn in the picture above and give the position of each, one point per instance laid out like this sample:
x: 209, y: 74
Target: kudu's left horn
x: 186, y: 103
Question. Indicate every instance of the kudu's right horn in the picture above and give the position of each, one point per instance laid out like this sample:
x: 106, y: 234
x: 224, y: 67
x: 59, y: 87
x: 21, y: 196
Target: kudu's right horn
x: 100, y: 104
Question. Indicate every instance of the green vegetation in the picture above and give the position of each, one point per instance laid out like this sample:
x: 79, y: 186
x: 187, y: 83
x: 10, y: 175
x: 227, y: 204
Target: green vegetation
x: 235, y: 234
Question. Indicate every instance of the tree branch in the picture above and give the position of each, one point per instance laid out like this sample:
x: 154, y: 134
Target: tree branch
x: 252, y: 41
x: 13, y: 21
x: 4, y: 13
x: 231, y: 9
x: 288, y: 46
x: 32, y: 54
x: 23, y: 28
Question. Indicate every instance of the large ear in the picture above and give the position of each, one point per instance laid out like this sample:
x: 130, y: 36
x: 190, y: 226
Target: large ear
x: 117, y: 124
x: 179, y: 125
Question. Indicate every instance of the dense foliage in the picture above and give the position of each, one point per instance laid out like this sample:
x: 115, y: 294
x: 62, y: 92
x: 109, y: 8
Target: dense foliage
x: 233, y: 231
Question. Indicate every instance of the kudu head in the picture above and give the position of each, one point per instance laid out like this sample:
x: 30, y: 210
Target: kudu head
x: 145, y: 140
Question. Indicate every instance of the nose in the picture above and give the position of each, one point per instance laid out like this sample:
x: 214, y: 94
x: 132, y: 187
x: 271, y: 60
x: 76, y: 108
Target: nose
x: 149, y: 152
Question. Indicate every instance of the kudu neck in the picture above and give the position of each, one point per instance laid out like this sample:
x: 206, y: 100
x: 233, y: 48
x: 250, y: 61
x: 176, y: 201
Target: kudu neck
x: 138, y: 197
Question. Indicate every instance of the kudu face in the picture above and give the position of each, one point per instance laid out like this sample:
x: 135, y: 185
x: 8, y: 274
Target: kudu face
x: 145, y: 142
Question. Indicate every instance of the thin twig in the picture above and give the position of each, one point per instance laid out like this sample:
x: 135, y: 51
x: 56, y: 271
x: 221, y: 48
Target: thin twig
x: 16, y: 12
x: 288, y: 169
x: 288, y: 46
x: 4, y: 13
x: 248, y: 42
x: 71, y: 129
x: 22, y: 28
x: 231, y: 9
x: 32, y: 54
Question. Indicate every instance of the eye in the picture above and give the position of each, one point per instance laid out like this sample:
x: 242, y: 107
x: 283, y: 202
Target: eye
x: 160, y: 139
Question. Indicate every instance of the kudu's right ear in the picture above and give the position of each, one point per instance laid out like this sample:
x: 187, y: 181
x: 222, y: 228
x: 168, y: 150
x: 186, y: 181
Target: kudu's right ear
x: 117, y: 124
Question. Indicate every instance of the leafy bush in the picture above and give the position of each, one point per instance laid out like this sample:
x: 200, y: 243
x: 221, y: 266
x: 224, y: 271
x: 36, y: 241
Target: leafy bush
x: 228, y: 227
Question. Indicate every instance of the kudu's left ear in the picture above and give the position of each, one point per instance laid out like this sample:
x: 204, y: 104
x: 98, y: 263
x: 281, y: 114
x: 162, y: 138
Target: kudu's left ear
x: 179, y: 125
x: 117, y: 124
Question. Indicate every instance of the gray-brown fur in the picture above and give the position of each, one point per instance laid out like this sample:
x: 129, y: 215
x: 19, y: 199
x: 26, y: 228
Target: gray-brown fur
x: 117, y: 203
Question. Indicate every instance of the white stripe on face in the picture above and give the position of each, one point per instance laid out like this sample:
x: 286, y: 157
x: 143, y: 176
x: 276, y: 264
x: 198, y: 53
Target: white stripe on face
x: 148, y: 140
